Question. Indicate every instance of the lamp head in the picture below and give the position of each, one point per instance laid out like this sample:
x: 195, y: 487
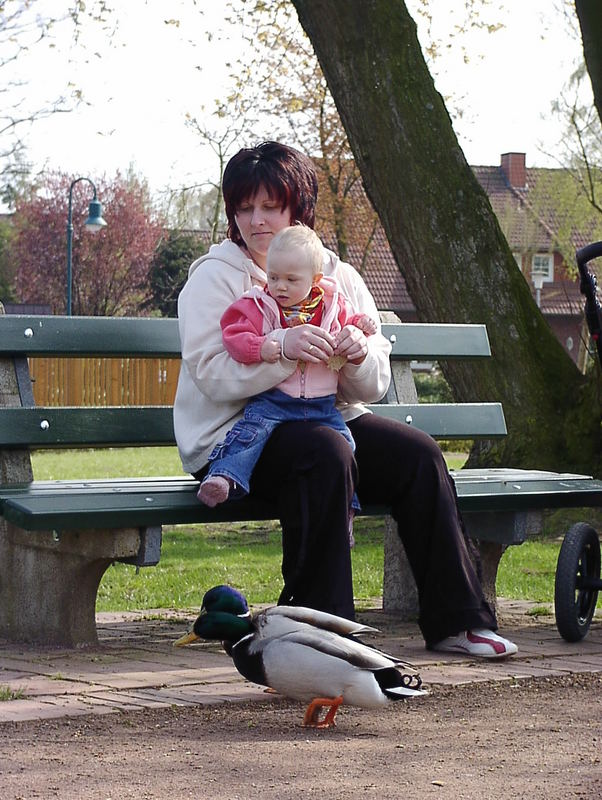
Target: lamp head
x: 95, y: 222
x: 537, y: 279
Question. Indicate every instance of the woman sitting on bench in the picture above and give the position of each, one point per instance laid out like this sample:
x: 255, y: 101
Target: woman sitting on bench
x: 308, y: 471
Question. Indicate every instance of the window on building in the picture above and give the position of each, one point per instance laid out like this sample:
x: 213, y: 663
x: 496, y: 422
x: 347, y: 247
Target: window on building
x: 542, y: 265
x: 518, y: 257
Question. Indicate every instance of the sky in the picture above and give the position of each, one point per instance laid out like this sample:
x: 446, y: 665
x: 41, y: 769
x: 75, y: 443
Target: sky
x: 139, y: 86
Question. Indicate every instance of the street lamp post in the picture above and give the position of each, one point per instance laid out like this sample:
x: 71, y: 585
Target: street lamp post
x: 94, y: 223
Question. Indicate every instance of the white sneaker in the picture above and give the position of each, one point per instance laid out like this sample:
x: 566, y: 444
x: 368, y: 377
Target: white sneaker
x: 481, y: 643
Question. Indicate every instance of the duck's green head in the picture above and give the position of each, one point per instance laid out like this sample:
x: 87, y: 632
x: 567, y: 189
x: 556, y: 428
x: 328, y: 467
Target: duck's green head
x: 224, y: 617
x: 217, y: 626
x: 225, y: 598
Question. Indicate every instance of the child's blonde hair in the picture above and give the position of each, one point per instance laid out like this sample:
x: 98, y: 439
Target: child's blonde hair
x: 305, y: 240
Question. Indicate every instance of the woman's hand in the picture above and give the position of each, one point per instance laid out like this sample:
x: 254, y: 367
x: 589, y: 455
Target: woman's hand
x: 352, y: 344
x: 308, y: 343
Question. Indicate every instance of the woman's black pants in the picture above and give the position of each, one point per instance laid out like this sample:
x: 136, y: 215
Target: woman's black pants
x: 310, y: 473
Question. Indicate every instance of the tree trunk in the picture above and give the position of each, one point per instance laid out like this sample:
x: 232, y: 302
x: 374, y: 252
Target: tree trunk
x: 589, y: 13
x: 445, y: 236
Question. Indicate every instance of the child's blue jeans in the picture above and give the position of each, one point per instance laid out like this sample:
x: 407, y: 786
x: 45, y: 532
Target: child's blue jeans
x: 235, y: 457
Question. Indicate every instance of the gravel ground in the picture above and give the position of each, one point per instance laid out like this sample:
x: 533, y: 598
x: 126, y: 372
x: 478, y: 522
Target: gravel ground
x: 534, y: 738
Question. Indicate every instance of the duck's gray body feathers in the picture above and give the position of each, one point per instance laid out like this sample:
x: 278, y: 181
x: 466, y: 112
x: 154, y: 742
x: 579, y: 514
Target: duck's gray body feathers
x: 304, y: 654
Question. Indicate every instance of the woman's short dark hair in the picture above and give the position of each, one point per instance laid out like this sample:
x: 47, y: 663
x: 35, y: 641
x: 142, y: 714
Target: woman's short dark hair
x: 287, y: 175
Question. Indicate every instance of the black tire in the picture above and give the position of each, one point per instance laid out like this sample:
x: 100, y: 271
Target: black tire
x: 578, y: 563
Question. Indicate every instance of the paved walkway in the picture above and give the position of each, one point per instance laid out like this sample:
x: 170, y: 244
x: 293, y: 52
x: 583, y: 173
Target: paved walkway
x: 135, y: 665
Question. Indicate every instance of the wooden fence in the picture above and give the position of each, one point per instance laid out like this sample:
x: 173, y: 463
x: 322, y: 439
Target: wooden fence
x: 104, y: 381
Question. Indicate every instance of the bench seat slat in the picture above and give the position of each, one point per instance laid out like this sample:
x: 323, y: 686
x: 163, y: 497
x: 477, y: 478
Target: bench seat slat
x: 524, y: 491
x: 169, y: 501
x: 153, y: 425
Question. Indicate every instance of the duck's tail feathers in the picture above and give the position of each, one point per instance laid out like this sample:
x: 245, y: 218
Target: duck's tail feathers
x: 397, y: 685
x: 402, y: 693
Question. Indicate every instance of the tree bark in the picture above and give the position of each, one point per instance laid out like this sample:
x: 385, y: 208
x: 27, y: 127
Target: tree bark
x: 445, y: 237
x: 589, y: 13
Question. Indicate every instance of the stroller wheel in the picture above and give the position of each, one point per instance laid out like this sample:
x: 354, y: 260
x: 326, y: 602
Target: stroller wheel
x: 577, y: 582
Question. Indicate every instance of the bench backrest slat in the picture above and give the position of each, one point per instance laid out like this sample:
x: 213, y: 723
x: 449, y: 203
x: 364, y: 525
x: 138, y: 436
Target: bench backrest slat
x: 154, y: 337
x: 450, y: 420
x: 57, y: 426
x: 425, y: 341
x: 83, y: 336
x: 153, y: 425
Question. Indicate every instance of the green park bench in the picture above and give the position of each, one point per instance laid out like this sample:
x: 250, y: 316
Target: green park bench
x: 57, y: 538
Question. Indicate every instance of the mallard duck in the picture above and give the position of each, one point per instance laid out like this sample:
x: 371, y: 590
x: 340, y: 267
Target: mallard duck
x: 303, y: 654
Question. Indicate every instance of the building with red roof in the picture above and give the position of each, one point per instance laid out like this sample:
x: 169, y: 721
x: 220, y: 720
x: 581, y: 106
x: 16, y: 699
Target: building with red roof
x: 534, y: 221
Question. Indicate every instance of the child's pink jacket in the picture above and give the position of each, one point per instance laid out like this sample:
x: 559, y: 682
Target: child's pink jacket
x: 256, y: 316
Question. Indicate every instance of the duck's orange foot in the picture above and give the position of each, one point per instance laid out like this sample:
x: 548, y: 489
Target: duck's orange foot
x: 312, y: 715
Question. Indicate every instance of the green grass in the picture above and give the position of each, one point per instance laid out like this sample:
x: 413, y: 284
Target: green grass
x: 455, y: 460
x: 123, y: 462
x: 527, y: 572
x: 127, y: 462
x: 7, y: 694
x: 194, y: 558
x: 249, y: 556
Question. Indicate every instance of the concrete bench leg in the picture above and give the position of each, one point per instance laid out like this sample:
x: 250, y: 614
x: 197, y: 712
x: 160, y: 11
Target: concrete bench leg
x: 49, y: 582
x: 400, y: 595
x: 493, y: 532
x: 490, y: 553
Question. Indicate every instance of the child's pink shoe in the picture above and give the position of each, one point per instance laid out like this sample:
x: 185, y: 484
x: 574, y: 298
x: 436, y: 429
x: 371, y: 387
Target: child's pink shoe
x: 214, y: 490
